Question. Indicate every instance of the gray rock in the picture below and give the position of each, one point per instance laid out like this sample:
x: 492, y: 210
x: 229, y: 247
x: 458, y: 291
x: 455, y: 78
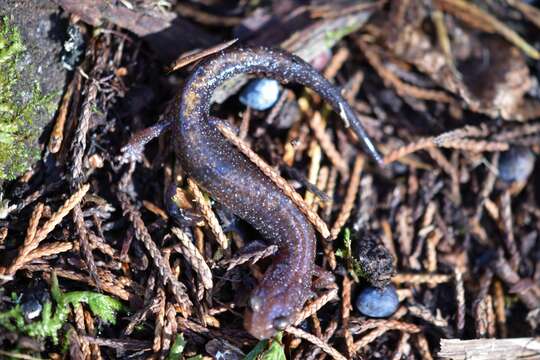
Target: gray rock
x: 42, y: 30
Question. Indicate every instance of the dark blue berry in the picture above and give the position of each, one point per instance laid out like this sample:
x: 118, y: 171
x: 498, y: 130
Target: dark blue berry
x: 378, y: 303
x: 260, y: 94
x: 33, y: 298
x: 31, y: 309
x: 516, y: 164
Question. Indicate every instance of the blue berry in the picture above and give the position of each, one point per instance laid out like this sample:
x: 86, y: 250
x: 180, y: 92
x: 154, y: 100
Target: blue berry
x: 378, y: 303
x: 33, y: 298
x: 516, y: 164
x: 260, y: 94
x: 31, y: 309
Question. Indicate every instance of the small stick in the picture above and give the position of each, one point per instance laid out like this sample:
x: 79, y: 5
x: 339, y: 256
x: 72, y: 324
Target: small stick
x: 160, y: 320
x: 423, y: 347
x: 114, y: 286
x: 337, y: 61
x: 57, y: 134
x: 94, y: 349
x: 460, y: 301
x: 350, y: 197
x: 208, y: 214
x: 33, y: 241
x: 78, y: 311
x: 315, y: 341
x: 381, y: 327
x: 489, y: 349
x: 403, y: 89
x: 345, y: 314
x: 467, y: 12
x: 499, y: 304
x: 507, y: 224
x: 194, y: 257
x: 315, y: 306
x: 251, y: 257
x: 318, y: 127
x: 196, y: 55
x: 315, y: 155
x: 417, y: 279
x: 244, y: 125
x: 403, y: 347
x: 49, y: 249
x: 141, y: 232
x: 61, y: 213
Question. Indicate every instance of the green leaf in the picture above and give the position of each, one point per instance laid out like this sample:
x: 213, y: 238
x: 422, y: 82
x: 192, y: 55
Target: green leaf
x: 177, y: 348
x: 275, y: 349
x: 274, y: 352
x: 257, y: 350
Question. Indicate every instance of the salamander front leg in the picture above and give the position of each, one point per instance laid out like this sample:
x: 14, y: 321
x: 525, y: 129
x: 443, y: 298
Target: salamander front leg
x: 133, y: 150
x: 182, y: 217
x: 323, y: 279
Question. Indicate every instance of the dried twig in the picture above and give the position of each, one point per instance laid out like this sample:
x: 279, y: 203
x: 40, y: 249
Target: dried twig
x: 345, y: 313
x: 193, y: 56
x: 416, y: 279
x: 403, y: 89
x: 35, y: 237
x: 195, y: 258
x: 381, y: 327
x: 460, y: 301
x: 57, y: 134
x: 489, y: 349
x: 318, y: 127
x: 251, y: 257
x: 474, y: 15
x: 208, y: 214
x: 316, y: 341
x: 141, y: 232
x: 350, y: 197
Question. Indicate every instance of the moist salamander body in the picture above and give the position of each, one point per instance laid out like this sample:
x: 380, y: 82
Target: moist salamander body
x: 231, y: 179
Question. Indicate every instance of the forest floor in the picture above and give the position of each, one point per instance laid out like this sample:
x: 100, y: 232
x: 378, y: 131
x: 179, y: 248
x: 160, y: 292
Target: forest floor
x: 93, y: 266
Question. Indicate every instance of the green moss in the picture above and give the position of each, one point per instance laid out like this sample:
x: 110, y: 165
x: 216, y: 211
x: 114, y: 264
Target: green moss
x: 18, y: 131
x: 103, y: 306
x: 353, y: 265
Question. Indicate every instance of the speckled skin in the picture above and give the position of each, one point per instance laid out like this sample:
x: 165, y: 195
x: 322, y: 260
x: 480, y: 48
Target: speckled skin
x: 231, y: 179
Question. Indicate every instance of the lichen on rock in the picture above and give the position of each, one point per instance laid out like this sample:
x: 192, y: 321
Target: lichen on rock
x: 18, y: 130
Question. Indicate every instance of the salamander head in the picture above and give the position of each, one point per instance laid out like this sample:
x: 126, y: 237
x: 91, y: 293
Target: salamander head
x: 268, y: 315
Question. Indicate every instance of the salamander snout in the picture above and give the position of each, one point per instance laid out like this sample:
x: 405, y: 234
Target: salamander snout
x: 264, y: 318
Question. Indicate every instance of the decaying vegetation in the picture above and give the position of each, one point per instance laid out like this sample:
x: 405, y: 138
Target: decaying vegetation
x: 449, y: 90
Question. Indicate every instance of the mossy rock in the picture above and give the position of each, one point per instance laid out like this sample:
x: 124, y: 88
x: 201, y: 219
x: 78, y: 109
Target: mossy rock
x: 31, y: 80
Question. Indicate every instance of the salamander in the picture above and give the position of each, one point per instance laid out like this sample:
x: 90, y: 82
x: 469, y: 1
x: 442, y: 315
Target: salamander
x: 234, y: 181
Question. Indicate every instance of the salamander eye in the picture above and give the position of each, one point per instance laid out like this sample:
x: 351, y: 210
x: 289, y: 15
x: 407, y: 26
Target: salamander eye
x: 255, y: 302
x: 280, y: 323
